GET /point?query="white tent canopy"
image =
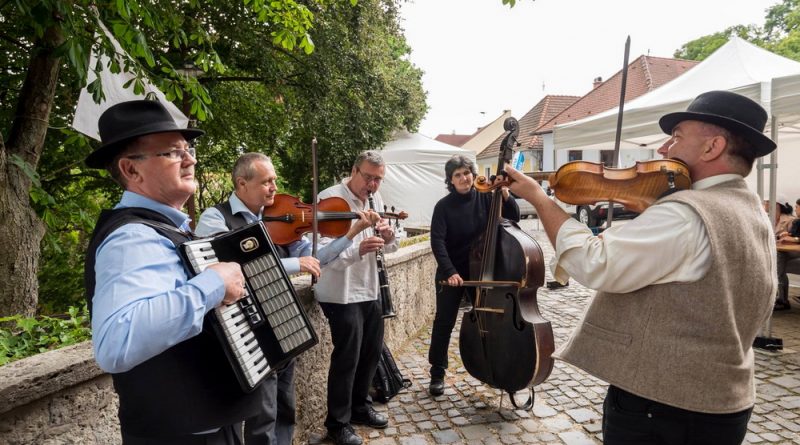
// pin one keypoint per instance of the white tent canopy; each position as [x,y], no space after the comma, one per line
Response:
[736,66]
[415,174]
[785,110]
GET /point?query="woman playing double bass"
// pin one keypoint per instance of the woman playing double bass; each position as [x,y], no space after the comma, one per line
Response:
[458,219]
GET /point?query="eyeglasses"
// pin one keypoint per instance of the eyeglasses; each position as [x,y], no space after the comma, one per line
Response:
[178,154]
[370,178]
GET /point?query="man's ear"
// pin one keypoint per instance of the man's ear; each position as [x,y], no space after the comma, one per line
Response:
[715,148]
[128,170]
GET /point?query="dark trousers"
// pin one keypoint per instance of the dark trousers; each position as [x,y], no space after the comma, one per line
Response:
[357,334]
[630,419]
[275,424]
[227,435]
[783,279]
[448,300]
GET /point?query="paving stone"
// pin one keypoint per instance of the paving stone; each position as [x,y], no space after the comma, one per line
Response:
[474,432]
[556,424]
[543,411]
[786,382]
[593,427]
[575,438]
[583,415]
[771,437]
[445,437]
[459,421]
[415,439]
[426,425]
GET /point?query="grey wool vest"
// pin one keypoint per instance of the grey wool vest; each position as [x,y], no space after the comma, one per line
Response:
[689,345]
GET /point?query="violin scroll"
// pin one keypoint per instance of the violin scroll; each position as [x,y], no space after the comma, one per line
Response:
[485,185]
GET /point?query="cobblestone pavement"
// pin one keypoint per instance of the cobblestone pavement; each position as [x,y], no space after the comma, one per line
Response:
[568,407]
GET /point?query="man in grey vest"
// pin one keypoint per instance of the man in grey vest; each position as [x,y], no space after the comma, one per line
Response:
[255,184]
[682,290]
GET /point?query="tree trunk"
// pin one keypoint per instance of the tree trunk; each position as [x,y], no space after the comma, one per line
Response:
[21,230]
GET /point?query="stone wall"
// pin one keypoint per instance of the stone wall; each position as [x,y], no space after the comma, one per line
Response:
[62,397]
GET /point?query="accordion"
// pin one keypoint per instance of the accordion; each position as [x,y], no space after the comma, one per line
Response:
[268,327]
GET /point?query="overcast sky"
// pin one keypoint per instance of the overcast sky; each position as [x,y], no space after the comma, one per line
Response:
[481,57]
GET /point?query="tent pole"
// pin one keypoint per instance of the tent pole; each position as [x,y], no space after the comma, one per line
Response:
[767,341]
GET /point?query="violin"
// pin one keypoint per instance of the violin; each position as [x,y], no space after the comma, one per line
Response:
[584,182]
[288,218]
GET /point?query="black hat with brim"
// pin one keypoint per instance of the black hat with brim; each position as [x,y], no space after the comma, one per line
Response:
[736,113]
[126,121]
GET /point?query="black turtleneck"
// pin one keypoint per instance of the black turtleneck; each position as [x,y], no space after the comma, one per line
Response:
[458,220]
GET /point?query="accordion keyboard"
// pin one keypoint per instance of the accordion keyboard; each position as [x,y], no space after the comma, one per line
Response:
[276,301]
[268,327]
[237,320]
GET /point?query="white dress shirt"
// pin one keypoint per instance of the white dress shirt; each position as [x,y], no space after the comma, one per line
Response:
[666,243]
[351,278]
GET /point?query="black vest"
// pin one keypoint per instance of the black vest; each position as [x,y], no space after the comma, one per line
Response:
[235,221]
[186,389]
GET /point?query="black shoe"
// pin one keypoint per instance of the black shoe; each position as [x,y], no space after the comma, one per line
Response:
[556,285]
[370,418]
[344,436]
[782,306]
[436,387]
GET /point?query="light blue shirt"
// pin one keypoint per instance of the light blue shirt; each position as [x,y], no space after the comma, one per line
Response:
[212,221]
[144,302]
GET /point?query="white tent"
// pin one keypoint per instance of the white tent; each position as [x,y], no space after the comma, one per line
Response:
[785,111]
[736,66]
[415,174]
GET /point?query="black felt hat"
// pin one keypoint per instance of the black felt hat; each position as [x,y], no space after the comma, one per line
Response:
[734,112]
[128,120]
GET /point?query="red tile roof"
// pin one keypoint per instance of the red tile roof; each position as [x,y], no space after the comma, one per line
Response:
[645,74]
[542,112]
[454,139]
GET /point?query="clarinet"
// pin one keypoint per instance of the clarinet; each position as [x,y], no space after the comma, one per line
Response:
[387,310]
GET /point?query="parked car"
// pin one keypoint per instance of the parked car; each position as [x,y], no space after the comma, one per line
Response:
[595,215]
[526,209]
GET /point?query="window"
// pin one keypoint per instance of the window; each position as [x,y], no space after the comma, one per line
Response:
[574,155]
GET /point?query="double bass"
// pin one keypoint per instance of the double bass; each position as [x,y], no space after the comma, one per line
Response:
[505,342]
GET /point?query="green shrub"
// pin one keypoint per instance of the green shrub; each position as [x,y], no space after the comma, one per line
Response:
[30,336]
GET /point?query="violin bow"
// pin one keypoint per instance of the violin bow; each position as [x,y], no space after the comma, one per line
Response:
[618,137]
[314,219]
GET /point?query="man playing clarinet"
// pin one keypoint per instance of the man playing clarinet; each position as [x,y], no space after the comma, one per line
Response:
[348,295]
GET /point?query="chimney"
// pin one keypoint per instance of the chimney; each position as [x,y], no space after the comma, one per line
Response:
[596,82]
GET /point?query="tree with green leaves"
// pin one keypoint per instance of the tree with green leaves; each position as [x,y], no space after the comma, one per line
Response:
[779,34]
[264,88]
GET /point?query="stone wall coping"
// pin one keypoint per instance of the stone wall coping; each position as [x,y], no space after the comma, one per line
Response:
[38,376]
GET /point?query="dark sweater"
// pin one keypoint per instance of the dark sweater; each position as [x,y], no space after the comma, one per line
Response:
[458,221]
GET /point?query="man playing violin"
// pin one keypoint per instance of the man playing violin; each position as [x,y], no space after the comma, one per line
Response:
[682,290]
[255,185]
[348,295]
